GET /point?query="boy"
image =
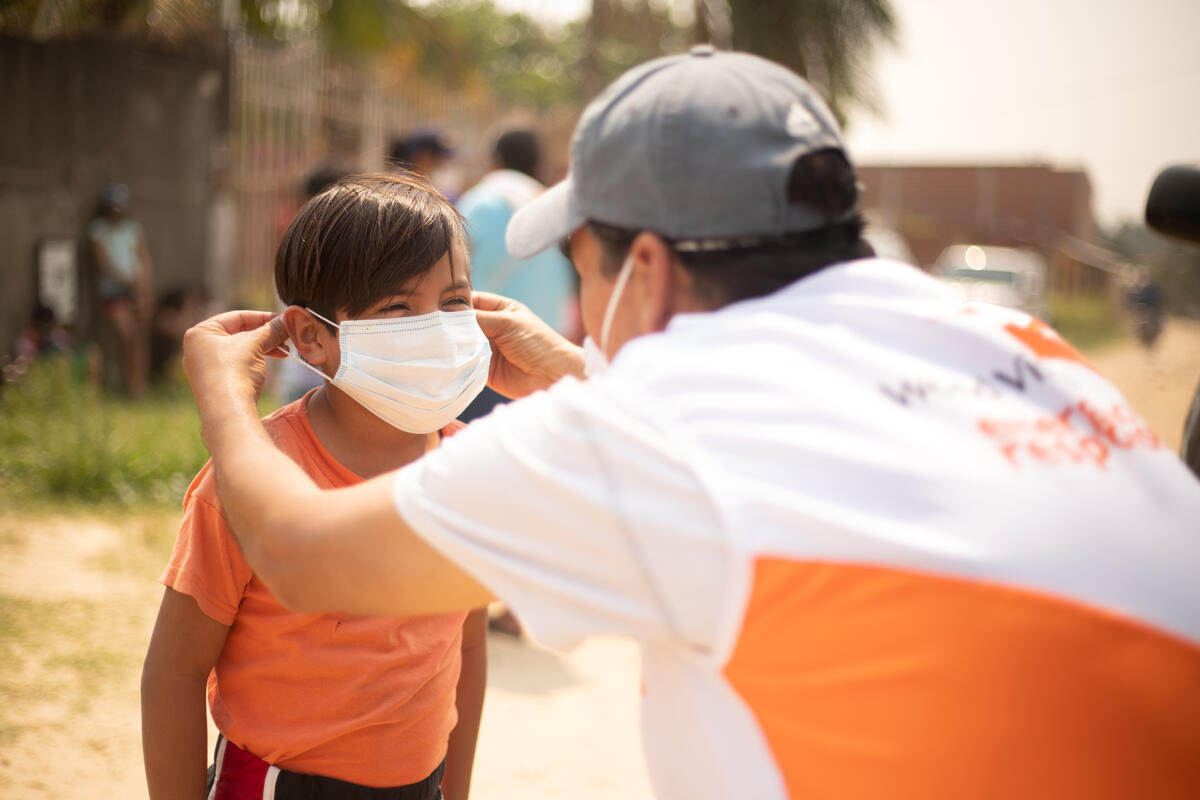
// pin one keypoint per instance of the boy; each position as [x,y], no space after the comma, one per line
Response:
[375,276]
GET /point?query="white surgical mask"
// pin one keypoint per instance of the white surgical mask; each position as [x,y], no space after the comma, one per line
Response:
[415,373]
[595,357]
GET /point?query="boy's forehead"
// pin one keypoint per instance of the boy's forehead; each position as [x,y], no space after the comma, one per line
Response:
[443,274]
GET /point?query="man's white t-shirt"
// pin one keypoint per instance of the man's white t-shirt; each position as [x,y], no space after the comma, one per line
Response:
[873,541]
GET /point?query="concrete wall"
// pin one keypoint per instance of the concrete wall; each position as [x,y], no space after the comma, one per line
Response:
[78,113]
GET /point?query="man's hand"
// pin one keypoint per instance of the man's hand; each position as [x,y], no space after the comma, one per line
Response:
[225,358]
[527,354]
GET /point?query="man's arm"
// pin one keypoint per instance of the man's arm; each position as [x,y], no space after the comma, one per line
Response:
[338,550]
[327,550]
[183,648]
[468,701]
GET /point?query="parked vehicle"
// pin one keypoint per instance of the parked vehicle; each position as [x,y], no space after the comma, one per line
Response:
[1006,276]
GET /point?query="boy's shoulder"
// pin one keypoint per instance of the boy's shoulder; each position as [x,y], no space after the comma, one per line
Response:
[285,426]
[286,422]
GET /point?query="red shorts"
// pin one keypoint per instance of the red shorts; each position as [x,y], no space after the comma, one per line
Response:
[240,775]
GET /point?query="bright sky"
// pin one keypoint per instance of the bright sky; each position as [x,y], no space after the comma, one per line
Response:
[1108,85]
[552,11]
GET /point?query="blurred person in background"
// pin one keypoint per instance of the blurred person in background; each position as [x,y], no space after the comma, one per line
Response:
[44,336]
[1146,307]
[544,282]
[125,281]
[428,153]
[175,312]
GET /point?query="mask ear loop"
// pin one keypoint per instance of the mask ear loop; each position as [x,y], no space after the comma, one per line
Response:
[614,301]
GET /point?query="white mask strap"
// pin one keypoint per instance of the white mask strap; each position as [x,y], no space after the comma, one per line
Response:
[294,352]
[611,310]
[318,316]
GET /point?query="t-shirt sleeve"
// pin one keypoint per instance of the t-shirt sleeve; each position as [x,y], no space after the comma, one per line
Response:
[206,563]
[578,514]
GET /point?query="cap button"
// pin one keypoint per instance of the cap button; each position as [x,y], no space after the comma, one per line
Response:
[703,50]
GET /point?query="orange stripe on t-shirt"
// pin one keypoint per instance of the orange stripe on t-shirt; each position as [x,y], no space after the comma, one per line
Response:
[869,682]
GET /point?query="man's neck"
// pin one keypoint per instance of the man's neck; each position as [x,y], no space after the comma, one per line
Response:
[359,440]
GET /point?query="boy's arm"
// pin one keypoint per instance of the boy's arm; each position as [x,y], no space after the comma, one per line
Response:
[472,682]
[183,648]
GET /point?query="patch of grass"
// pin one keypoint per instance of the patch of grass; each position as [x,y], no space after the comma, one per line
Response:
[65,445]
[1086,321]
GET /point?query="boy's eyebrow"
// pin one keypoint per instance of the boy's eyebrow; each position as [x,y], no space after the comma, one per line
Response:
[461,283]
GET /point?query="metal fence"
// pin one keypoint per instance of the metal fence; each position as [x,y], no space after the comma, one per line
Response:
[297,107]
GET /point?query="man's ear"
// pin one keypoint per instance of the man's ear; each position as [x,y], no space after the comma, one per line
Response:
[309,336]
[660,281]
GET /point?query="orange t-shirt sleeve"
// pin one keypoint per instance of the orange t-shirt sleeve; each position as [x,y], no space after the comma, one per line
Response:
[206,563]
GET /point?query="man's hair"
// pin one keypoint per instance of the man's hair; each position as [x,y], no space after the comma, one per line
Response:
[519,150]
[363,237]
[725,272]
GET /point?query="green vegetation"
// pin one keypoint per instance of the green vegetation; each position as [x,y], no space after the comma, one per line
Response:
[64,442]
[831,42]
[1087,320]
[473,43]
[66,445]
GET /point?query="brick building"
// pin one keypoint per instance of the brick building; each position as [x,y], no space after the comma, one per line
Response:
[1032,206]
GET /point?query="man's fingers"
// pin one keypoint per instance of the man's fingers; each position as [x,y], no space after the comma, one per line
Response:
[273,335]
[487,301]
[232,322]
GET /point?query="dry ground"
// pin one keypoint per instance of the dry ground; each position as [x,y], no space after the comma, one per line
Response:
[78,599]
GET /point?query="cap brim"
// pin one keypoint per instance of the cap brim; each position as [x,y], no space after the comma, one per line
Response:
[546,220]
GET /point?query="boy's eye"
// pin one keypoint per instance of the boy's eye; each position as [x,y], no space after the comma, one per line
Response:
[462,301]
[394,307]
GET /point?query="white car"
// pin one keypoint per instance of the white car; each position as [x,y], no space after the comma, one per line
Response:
[1006,276]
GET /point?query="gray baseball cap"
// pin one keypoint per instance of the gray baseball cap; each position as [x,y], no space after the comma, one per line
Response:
[696,147]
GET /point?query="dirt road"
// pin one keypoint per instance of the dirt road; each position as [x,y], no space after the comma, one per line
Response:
[78,599]
[77,603]
[1159,382]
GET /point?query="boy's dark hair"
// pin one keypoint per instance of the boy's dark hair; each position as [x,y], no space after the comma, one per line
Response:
[363,237]
[823,181]
[519,150]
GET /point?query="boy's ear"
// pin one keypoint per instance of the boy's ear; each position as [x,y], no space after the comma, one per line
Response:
[309,336]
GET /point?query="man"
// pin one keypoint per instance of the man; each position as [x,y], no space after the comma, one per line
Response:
[542,282]
[873,541]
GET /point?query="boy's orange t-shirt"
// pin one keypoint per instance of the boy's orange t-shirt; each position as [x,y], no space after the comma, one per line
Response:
[368,700]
